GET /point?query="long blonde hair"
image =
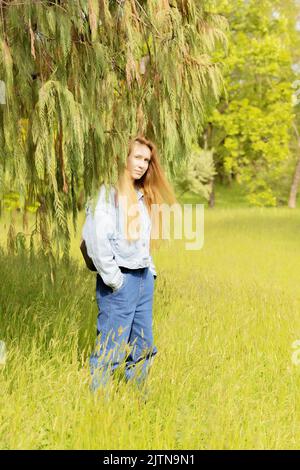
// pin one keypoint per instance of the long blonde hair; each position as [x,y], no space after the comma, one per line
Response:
[154,185]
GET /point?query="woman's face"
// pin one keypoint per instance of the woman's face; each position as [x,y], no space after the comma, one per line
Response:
[138,160]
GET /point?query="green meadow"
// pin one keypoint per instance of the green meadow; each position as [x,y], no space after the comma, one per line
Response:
[225,320]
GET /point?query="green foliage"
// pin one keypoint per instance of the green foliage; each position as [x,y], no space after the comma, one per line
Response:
[11,201]
[252,126]
[197,174]
[82,77]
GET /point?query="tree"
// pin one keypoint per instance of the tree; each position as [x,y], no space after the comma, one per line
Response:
[82,77]
[291,10]
[197,174]
[251,127]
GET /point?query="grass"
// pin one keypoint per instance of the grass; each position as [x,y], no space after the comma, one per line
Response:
[225,318]
[225,197]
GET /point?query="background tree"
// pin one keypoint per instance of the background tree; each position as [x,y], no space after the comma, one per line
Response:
[252,125]
[291,10]
[197,174]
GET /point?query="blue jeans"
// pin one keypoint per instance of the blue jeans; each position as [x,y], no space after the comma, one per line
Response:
[124,328]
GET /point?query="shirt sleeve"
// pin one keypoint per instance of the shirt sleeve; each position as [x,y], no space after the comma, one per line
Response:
[101,252]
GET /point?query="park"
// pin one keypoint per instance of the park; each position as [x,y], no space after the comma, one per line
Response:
[215,85]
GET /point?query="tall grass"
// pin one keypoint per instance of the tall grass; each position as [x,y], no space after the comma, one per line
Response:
[225,318]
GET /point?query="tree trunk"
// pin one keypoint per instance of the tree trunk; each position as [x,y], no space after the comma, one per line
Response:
[295,186]
[296,179]
[211,202]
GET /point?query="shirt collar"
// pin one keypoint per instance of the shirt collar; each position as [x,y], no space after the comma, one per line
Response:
[139,193]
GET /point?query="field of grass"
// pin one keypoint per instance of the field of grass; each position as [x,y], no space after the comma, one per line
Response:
[225,319]
[225,197]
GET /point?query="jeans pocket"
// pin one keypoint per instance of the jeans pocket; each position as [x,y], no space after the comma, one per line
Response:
[125,280]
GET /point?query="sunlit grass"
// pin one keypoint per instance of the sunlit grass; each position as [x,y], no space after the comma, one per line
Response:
[225,318]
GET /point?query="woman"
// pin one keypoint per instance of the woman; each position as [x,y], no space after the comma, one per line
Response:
[120,251]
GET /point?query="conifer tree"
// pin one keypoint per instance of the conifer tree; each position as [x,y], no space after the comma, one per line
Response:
[82,77]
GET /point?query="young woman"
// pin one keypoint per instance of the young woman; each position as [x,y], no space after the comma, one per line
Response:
[118,240]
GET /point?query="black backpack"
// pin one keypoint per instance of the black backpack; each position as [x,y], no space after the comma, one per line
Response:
[88,260]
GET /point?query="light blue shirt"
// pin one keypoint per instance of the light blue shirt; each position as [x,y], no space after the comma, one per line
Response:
[104,235]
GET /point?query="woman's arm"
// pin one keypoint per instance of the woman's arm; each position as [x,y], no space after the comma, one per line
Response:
[103,230]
